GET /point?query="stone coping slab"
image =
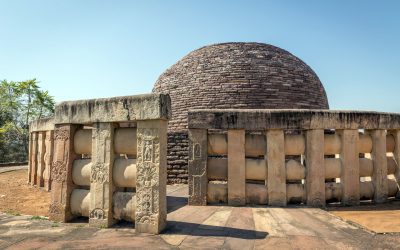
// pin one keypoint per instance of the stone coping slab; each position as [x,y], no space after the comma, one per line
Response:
[261,119]
[44,124]
[115,109]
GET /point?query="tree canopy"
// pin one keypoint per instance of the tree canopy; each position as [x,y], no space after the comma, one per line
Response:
[20,103]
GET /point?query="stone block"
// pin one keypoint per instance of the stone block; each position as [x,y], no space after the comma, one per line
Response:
[61,173]
[275,157]
[315,169]
[236,168]
[379,160]
[198,167]
[151,199]
[350,174]
[101,180]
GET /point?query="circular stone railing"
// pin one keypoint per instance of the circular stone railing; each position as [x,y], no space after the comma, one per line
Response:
[277,157]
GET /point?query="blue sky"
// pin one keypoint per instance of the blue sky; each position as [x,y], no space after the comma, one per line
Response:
[87,49]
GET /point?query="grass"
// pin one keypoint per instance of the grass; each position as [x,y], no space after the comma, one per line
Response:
[12,212]
[55,225]
[36,217]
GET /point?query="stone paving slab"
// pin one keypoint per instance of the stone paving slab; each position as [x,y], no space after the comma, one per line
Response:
[200,227]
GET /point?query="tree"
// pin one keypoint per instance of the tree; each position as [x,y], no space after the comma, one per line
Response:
[20,103]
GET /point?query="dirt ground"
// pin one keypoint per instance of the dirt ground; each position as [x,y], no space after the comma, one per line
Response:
[382,218]
[17,197]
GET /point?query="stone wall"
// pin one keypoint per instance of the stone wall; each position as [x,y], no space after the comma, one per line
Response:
[177,157]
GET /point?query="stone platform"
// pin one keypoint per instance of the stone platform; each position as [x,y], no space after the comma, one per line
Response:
[205,227]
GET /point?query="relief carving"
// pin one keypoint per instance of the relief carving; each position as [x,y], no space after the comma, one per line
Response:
[59,171]
[97,213]
[99,173]
[61,135]
[196,151]
[55,208]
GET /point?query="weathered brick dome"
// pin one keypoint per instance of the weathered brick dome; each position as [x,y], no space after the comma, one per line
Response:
[239,75]
[233,75]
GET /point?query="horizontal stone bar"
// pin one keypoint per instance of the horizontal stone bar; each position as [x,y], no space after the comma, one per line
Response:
[256,194]
[262,119]
[124,206]
[364,143]
[367,189]
[295,144]
[255,145]
[295,193]
[80,202]
[333,167]
[125,141]
[124,172]
[217,192]
[39,125]
[83,141]
[295,170]
[333,190]
[81,172]
[367,167]
[332,145]
[115,109]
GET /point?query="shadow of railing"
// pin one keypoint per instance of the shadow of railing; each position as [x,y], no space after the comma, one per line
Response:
[175,202]
[194,229]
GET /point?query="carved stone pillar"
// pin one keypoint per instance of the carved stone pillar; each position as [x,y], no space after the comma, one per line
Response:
[61,174]
[315,177]
[396,153]
[48,159]
[33,160]
[198,167]
[379,160]
[350,174]
[101,181]
[276,181]
[40,158]
[30,158]
[151,199]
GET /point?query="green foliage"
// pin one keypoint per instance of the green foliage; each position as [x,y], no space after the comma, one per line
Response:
[20,103]
[36,217]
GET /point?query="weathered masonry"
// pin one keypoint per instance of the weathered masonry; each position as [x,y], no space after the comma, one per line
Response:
[277,157]
[40,152]
[109,161]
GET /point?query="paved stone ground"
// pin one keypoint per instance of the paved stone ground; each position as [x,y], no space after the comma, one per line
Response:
[210,227]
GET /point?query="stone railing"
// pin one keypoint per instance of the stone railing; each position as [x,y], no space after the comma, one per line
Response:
[277,157]
[108,161]
[40,152]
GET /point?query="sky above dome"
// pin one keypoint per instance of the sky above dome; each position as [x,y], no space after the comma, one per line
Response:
[90,49]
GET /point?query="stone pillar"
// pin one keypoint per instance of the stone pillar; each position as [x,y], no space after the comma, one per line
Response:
[40,158]
[315,177]
[151,172]
[379,160]
[350,174]
[33,162]
[61,173]
[236,167]
[30,158]
[48,159]
[275,158]
[101,181]
[198,167]
[396,153]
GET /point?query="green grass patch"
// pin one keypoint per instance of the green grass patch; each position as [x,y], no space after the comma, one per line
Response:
[36,217]
[12,212]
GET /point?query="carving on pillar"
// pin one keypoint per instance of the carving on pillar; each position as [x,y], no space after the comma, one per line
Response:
[55,208]
[99,173]
[59,171]
[196,151]
[147,177]
[97,213]
[61,135]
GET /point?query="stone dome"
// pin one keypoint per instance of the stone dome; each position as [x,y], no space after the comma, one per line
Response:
[239,75]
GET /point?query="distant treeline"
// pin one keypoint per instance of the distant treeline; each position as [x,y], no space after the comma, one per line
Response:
[20,103]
